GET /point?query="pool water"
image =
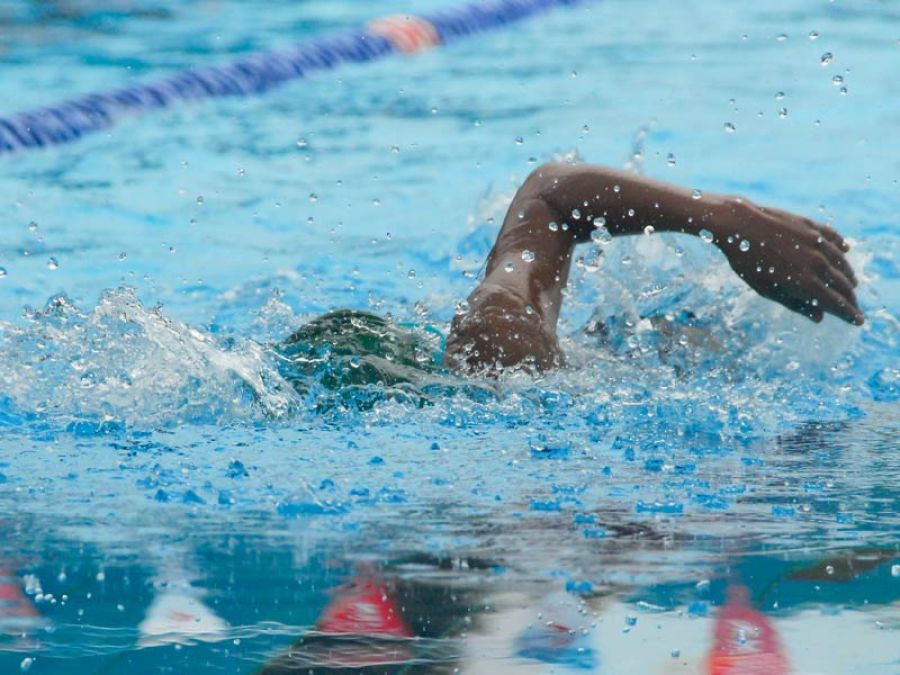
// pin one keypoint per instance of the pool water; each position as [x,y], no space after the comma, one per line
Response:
[722,493]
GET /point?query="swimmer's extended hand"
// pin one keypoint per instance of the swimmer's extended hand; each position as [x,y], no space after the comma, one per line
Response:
[787,258]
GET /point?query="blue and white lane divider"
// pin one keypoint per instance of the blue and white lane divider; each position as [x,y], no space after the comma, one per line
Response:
[70,120]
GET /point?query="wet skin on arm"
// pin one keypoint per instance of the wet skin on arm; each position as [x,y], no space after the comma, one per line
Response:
[512,314]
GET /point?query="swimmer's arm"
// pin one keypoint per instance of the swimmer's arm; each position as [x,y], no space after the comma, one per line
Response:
[791,259]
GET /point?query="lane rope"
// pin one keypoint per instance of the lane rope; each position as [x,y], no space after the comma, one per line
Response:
[69,120]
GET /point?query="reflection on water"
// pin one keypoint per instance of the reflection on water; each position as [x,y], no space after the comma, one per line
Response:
[772,554]
[277,603]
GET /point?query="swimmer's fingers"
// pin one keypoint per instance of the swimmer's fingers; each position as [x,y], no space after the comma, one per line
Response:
[837,281]
[834,255]
[834,271]
[831,235]
[825,289]
[834,279]
[828,234]
[820,237]
[842,305]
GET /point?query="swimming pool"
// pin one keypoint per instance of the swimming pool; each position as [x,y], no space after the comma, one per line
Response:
[167,502]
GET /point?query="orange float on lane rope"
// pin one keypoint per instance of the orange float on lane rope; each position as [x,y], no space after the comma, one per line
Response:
[408,34]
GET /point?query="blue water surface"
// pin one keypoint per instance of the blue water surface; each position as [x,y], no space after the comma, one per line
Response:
[169,501]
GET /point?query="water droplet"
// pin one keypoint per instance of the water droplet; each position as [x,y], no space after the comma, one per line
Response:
[519,140]
[593,260]
[313,197]
[553,227]
[576,214]
[706,236]
[895,571]
[744,245]
[826,58]
[696,194]
[528,256]
[779,95]
[574,74]
[813,35]
[730,128]
[53,264]
[675,653]
[837,80]
[626,260]
[376,202]
[411,274]
[302,143]
[781,37]
[630,620]
[616,188]
[32,226]
[829,570]
[771,270]
[782,113]
[585,129]
[240,172]
[200,200]
[601,236]
[631,213]
[26,663]
[3,272]
[670,159]
[122,256]
[395,149]
[649,230]
[814,302]
[843,91]
[508,267]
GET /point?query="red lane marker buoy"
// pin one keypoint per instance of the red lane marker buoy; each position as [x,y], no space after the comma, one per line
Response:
[408,34]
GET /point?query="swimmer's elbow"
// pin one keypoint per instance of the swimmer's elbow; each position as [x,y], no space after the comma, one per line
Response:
[543,179]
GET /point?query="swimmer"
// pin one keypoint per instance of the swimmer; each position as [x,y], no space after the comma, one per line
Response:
[512,313]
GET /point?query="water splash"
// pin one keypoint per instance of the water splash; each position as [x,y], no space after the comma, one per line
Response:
[123,363]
